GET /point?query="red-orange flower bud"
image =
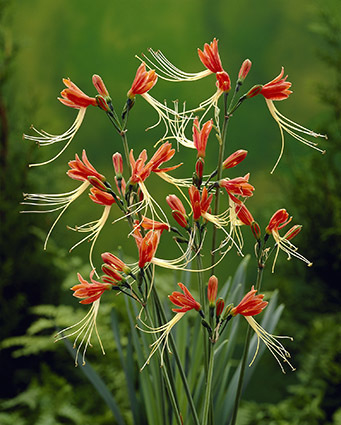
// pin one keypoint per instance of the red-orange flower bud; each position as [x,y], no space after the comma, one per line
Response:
[234,159]
[244,70]
[244,214]
[254,91]
[99,85]
[102,103]
[115,262]
[199,167]
[118,164]
[174,202]
[219,307]
[212,290]
[294,231]
[100,197]
[255,229]
[194,196]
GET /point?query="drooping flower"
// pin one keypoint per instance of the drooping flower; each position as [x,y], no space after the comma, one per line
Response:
[149,224]
[200,136]
[73,97]
[186,302]
[89,292]
[250,306]
[278,89]
[279,220]
[238,186]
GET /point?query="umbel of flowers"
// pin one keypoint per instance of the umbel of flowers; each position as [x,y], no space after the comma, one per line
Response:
[206,217]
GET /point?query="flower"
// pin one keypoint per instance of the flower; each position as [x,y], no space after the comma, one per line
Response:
[100,86]
[89,292]
[73,97]
[223,81]
[200,136]
[178,210]
[278,89]
[115,262]
[148,224]
[143,81]
[146,245]
[234,159]
[279,220]
[210,57]
[186,302]
[141,170]
[81,169]
[237,186]
[199,205]
[244,214]
[100,197]
[250,306]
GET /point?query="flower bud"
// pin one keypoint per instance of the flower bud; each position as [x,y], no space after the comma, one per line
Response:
[234,159]
[115,262]
[102,103]
[111,272]
[212,290]
[255,229]
[227,311]
[244,70]
[244,214]
[199,168]
[254,91]
[174,202]
[220,304]
[96,182]
[118,164]
[180,218]
[294,231]
[100,86]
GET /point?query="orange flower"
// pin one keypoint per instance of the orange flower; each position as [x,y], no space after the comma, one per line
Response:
[185,301]
[244,214]
[278,220]
[141,170]
[115,262]
[74,97]
[277,89]
[82,169]
[250,305]
[178,210]
[143,82]
[89,292]
[210,57]
[237,186]
[200,137]
[223,81]
[100,197]
[199,206]
[147,245]
[150,224]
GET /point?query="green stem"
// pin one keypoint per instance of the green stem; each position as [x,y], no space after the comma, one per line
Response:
[208,396]
[246,351]
[178,361]
[219,174]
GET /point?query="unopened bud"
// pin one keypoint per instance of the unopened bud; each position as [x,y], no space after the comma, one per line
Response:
[180,218]
[220,304]
[96,182]
[118,164]
[294,231]
[199,168]
[102,103]
[244,214]
[244,70]
[254,91]
[100,86]
[212,290]
[255,229]
[234,159]
[110,271]
[227,311]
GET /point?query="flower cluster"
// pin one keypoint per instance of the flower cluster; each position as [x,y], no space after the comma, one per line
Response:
[208,213]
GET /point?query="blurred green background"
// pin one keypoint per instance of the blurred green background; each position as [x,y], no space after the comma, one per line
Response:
[42,42]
